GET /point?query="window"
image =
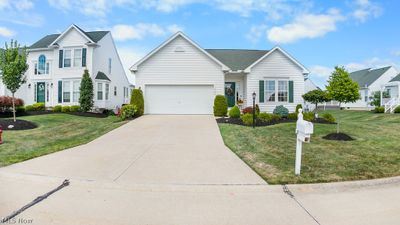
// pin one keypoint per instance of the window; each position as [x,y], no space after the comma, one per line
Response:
[42,65]
[75,90]
[36,72]
[270,90]
[99,91]
[282,91]
[67,58]
[78,57]
[115,90]
[109,65]
[107,90]
[66,91]
[366,95]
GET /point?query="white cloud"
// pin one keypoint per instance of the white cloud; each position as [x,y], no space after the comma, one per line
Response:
[366,9]
[20,12]
[5,32]
[305,26]
[23,5]
[321,71]
[396,53]
[123,32]
[4,4]
[256,33]
[129,56]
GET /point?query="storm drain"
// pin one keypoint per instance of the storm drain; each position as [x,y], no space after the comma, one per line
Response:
[34,202]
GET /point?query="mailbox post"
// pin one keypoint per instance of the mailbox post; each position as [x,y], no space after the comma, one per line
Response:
[304,129]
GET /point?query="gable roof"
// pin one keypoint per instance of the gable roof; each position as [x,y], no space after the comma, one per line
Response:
[366,77]
[101,76]
[178,34]
[237,59]
[396,78]
[48,40]
[277,48]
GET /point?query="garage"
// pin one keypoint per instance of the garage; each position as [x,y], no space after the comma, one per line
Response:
[179,99]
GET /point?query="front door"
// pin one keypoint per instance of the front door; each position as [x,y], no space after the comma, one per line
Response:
[230,93]
[41,92]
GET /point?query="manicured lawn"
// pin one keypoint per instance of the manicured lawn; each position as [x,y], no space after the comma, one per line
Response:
[270,151]
[55,132]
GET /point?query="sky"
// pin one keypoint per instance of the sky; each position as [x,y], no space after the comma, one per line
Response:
[355,34]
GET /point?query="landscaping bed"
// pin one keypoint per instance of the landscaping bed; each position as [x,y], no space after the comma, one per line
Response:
[9,124]
[262,123]
[338,137]
[89,114]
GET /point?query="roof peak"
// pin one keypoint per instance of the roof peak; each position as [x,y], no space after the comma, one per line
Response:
[235,49]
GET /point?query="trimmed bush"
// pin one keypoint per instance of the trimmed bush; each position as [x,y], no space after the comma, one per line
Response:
[75,108]
[220,105]
[298,106]
[257,109]
[6,103]
[57,108]
[379,109]
[247,119]
[28,108]
[397,109]
[281,111]
[234,112]
[329,117]
[292,116]
[128,111]
[39,106]
[268,117]
[247,110]
[20,109]
[65,109]
[309,116]
[138,101]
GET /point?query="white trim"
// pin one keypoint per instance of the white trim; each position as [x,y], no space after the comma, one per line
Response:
[305,70]
[178,34]
[66,31]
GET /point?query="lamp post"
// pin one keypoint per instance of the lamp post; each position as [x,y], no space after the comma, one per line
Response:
[254,109]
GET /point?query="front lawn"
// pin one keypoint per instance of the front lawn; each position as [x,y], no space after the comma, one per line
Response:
[55,132]
[270,151]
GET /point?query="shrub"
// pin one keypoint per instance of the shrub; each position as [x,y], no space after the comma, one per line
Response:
[75,108]
[6,103]
[292,116]
[268,117]
[247,110]
[247,119]
[39,106]
[309,116]
[138,101]
[86,92]
[397,109]
[28,108]
[379,109]
[57,108]
[220,106]
[328,117]
[20,109]
[128,111]
[281,111]
[65,109]
[298,106]
[257,109]
[234,112]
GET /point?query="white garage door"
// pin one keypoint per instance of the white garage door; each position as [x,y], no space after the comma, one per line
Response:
[179,99]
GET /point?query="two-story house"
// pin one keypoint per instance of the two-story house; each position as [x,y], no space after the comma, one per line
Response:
[57,63]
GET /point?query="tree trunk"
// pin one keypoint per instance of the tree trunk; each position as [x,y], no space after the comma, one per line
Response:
[13,106]
[316,107]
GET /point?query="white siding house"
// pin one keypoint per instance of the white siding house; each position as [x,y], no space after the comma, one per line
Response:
[57,63]
[180,77]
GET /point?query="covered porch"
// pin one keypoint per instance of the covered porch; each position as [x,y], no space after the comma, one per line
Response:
[235,89]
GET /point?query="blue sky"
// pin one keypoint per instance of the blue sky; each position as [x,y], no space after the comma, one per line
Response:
[320,34]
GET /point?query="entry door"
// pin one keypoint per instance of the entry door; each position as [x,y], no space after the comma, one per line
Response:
[41,92]
[230,93]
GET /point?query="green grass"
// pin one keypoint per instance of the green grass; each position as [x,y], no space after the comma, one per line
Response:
[270,151]
[55,132]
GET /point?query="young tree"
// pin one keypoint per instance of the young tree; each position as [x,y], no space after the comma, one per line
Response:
[13,67]
[86,92]
[376,98]
[341,87]
[316,96]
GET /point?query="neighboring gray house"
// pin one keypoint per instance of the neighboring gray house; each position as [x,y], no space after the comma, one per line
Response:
[180,77]
[370,81]
[393,89]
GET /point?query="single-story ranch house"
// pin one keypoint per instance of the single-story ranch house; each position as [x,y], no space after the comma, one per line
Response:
[180,77]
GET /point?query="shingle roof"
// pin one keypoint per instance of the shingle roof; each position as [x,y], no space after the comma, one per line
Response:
[101,76]
[396,78]
[366,77]
[95,36]
[237,59]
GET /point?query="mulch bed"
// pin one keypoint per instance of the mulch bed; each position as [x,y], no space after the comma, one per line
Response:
[89,114]
[18,125]
[35,113]
[338,137]
[260,123]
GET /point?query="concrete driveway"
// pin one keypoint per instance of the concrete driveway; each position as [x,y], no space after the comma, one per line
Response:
[176,170]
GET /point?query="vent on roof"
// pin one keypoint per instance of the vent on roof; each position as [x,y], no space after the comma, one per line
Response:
[179,49]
